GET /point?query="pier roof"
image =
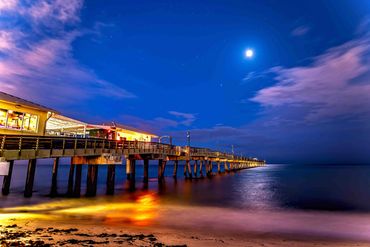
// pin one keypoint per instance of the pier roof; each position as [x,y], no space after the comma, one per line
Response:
[19,101]
[59,121]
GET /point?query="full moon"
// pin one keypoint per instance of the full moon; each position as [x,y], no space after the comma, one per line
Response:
[249,53]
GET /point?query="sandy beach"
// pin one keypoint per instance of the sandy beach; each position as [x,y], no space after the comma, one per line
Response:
[146,222]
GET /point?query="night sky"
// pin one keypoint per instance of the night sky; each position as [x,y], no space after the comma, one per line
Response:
[172,66]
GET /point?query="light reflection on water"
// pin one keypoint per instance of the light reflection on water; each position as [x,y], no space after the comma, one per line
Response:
[141,211]
[267,199]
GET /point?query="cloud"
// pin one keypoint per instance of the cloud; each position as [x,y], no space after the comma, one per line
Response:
[8,4]
[47,12]
[325,88]
[254,76]
[300,31]
[160,124]
[188,118]
[38,63]
[6,41]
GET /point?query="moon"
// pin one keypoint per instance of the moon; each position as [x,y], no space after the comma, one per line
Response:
[249,53]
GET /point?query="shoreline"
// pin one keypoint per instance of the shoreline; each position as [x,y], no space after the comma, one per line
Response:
[148,223]
[68,234]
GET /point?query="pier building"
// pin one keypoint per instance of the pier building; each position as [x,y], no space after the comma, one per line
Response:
[22,117]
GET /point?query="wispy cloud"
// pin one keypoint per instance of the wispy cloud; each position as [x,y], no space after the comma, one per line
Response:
[185,118]
[8,4]
[160,124]
[58,10]
[37,62]
[336,84]
[300,31]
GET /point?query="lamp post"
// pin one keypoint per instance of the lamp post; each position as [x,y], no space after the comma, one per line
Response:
[188,138]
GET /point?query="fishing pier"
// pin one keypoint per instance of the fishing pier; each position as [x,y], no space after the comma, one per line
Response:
[199,162]
[31,132]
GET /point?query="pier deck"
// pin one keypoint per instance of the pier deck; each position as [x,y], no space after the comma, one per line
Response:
[94,152]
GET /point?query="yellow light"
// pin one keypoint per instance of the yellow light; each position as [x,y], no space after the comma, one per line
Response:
[141,212]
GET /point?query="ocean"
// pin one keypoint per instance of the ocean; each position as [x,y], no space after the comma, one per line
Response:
[273,187]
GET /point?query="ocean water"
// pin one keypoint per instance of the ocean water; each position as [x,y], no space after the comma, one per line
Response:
[273,187]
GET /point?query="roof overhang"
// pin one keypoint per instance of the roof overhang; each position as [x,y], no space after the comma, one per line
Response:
[57,122]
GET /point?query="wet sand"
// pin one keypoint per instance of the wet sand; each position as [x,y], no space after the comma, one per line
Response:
[147,222]
[36,234]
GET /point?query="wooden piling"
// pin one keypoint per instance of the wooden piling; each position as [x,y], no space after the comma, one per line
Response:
[164,162]
[185,170]
[128,168]
[201,169]
[218,167]
[54,178]
[92,179]
[159,169]
[77,184]
[71,179]
[175,168]
[133,169]
[7,179]
[208,168]
[195,168]
[146,170]
[111,175]
[226,168]
[132,182]
[188,167]
[30,178]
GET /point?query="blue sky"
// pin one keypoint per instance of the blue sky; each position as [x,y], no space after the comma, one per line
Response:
[173,66]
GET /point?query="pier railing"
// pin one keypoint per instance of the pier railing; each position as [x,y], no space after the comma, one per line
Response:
[25,147]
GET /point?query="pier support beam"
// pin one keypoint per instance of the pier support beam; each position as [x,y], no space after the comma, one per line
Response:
[30,178]
[70,180]
[201,169]
[159,176]
[132,174]
[195,168]
[146,170]
[218,167]
[209,168]
[175,168]
[188,169]
[54,178]
[130,168]
[163,169]
[92,179]
[185,170]
[77,184]
[6,181]
[111,177]
[226,168]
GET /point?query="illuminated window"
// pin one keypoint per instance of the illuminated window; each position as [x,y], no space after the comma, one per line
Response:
[26,121]
[30,122]
[3,114]
[33,123]
[15,120]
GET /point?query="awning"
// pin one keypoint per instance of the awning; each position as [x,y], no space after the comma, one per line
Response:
[57,122]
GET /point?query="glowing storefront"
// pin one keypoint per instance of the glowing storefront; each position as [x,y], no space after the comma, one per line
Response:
[64,126]
[124,132]
[19,116]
